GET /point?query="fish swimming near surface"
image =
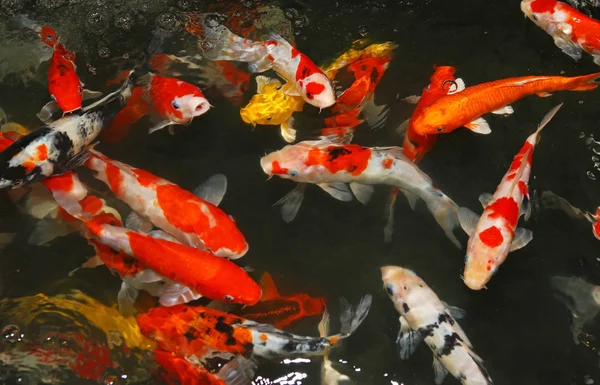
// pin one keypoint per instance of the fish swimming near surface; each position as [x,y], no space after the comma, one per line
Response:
[549,200]
[333,167]
[275,53]
[573,32]
[186,216]
[465,108]
[423,316]
[168,102]
[61,145]
[493,235]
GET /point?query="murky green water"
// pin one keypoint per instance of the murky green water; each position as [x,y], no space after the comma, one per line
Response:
[333,248]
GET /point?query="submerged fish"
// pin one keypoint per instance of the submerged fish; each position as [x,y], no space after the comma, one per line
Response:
[573,32]
[493,235]
[332,167]
[549,200]
[465,108]
[424,317]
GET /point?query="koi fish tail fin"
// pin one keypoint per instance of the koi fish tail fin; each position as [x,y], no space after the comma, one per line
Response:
[585,83]
[390,206]
[582,299]
[445,212]
[46,230]
[221,44]
[351,317]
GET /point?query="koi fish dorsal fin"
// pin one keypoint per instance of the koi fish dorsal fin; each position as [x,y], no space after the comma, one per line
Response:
[278,39]
[269,290]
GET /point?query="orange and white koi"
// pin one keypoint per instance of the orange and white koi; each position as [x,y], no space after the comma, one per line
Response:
[493,235]
[465,108]
[194,331]
[332,167]
[169,101]
[573,32]
[423,316]
[191,220]
[275,53]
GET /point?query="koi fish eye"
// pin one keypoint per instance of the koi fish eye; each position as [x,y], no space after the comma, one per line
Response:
[535,17]
[228,298]
[389,289]
[293,173]
[80,89]
[175,105]
[269,117]
[440,129]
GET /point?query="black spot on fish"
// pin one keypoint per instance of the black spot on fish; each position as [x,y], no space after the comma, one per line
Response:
[222,327]
[461,377]
[337,152]
[427,331]
[444,317]
[290,346]
[189,335]
[405,308]
[374,75]
[230,341]
[451,341]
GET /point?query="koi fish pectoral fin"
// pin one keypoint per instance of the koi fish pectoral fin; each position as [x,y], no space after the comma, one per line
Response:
[362,192]
[261,65]
[159,126]
[468,220]
[46,113]
[485,199]
[506,110]
[526,208]
[479,126]
[596,59]
[408,340]
[176,293]
[239,371]
[568,46]
[439,371]
[388,230]
[213,189]
[126,298]
[455,311]
[287,130]
[339,191]
[73,163]
[521,239]
[91,263]
[411,197]
[291,202]
[87,94]
[47,230]
[136,222]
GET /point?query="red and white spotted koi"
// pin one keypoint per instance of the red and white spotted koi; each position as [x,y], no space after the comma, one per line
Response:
[493,235]
[193,221]
[276,53]
[332,166]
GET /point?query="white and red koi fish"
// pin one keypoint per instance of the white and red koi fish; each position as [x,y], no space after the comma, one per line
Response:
[193,221]
[493,235]
[573,32]
[276,53]
[61,145]
[332,166]
[424,317]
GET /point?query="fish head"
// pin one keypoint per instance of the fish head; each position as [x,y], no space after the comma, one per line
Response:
[430,121]
[481,262]
[178,101]
[398,282]
[48,36]
[271,107]
[290,162]
[233,285]
[316,90]
[542,13]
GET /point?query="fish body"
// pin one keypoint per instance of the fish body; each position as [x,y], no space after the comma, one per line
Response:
[465,108]
[192,331]
[193,221]
[573,32]
[331,166]
[275,53]
[59,146]
[424,317]
[495,233]
[64,85]
[169,101]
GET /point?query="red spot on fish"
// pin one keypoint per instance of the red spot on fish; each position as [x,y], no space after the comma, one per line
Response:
[91,204]
[506,208]
[62,182]
[491,237]
[114,178]
[351,158]
[29,165]
[511,176]
[523,188]
[270,57]
[145,178]
[387,163]
[313,89]
[295,52]
[542,6]
[277,169]
[42,152]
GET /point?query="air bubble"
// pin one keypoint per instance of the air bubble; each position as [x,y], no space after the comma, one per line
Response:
[103,52]
[212,21]
[96,22]
[247,3]
[363,30]
[123,22]
[591,175]
[12,334]
[168,21]
[184,4]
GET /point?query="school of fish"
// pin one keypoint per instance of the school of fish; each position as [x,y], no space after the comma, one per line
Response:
[201,315]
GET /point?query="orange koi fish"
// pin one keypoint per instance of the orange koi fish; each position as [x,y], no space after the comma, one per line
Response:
[281,311]
[465,108]
[493,235]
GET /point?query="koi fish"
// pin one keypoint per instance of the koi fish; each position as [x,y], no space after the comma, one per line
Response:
[581,297]
[273,106]
[332,166]
[169,101]
[179,371]
[194,331]
[282,311]
[493,235]
[64,86]
[465,108]
[424,317]
[191,220]
[61,145]
[573,32]
[329,375]
[549,200]
[276,53]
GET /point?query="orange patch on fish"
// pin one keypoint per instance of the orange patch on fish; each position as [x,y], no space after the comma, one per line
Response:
[42,152]
[523,188]
[350,158]
[62,182]
[114,178]
[387,163]
[491,237]
[277,169]
[506,208]
[29,165]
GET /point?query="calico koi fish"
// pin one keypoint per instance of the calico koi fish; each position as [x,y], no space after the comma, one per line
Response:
[493,235]
[573,32]
[276,53]
[424,317]
[191,220]
[332,166]
[282,311]
[465,108]
[61,145]
[193,331]
[168,101]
